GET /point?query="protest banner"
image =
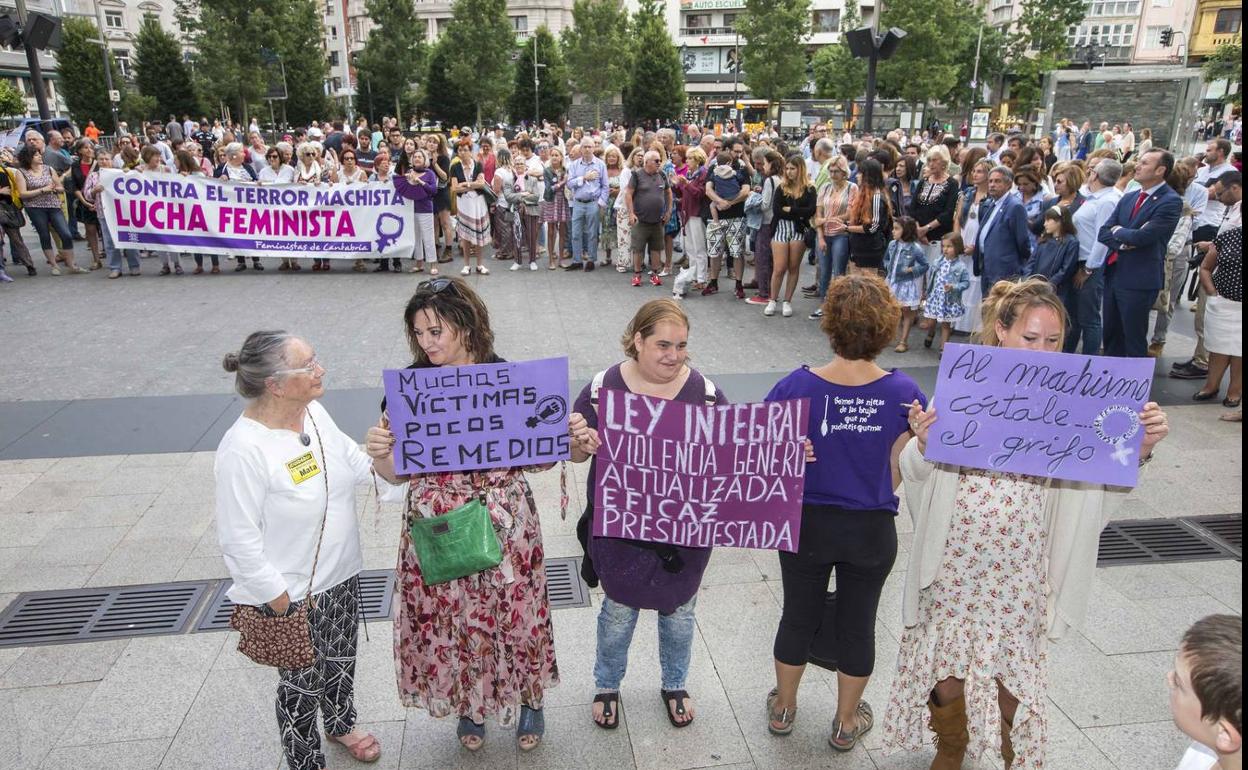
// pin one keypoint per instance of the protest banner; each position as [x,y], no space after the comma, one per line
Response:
[1059,415]
[695,475]
[195,214]
[459,418]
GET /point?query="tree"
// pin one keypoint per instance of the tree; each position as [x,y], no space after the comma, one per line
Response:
[393,57]
[160,72]
[925,65]
[232,36]
[654,88]
[11,100]
[480,40]
[773,60]
[81,66]
[553,94]
[136,108]
[440,96]
[1038,44]
[1227,63]
[992,53]
[298,44]
[597,26]
[838,75]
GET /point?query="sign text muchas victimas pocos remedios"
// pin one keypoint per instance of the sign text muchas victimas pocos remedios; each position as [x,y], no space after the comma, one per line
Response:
[693,475]
[262,211]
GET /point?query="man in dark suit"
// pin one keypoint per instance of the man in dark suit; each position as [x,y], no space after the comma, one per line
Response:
[1002,245]
[1136,235]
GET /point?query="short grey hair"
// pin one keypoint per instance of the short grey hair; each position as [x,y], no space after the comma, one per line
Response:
[233,148]
[262,356]
[1004,171]
[826,146]
[1108,172]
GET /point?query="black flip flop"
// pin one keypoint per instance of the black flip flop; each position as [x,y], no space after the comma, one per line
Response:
[678,697]
[610,710]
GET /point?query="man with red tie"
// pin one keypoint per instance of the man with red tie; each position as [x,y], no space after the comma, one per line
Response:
[1136,235]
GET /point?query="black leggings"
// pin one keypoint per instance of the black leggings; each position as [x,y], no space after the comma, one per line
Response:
[861,546]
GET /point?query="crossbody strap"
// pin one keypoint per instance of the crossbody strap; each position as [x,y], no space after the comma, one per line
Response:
[325,476]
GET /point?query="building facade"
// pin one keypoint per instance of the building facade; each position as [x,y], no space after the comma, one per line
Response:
[14,69]
[121,20]
[1217,23]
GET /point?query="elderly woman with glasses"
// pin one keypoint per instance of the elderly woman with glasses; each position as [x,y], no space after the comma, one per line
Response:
[286,477]
[276,171]
[482,644]
[232,167]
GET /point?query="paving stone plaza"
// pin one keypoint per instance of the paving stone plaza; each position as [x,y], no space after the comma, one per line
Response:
[112,399]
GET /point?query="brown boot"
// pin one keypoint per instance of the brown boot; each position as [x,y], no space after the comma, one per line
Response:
[1007,745]
[949,724]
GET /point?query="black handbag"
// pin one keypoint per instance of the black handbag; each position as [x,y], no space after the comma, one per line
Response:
[10,215]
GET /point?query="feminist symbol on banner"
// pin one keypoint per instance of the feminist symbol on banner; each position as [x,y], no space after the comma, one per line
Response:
[388,235]
[1104,423]
[550,410]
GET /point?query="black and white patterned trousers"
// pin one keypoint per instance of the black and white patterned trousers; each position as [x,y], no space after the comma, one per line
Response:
[327,686]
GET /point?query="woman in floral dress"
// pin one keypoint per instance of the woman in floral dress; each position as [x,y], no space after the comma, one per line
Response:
[483,644]
[1001,564]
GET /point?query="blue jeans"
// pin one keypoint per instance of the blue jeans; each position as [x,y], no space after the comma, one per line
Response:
[585,225]
[46,220]
[115,254]
[833,260]
[1084,308]
[615,633]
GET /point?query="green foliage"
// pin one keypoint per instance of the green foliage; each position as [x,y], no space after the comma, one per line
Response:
[926,64]
[773,60]
[230,36]
[480,40]
[1037,44]
[298,44]
[160,73]
[597,26]
[1227,63]
[655,86]
[392,59]
[81,66]
[136,108]
[838,75]
[440,97]
[991,64]
[554,95]
[11,100]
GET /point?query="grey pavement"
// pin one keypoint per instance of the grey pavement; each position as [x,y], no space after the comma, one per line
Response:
[131,368]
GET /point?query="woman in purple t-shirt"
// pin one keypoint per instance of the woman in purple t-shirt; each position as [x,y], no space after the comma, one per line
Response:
[858,423]
[636,575]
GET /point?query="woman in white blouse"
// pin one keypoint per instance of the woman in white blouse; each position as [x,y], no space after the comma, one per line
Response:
[282,469]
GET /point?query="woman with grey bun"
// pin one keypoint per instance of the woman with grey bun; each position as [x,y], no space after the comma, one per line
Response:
[285,506]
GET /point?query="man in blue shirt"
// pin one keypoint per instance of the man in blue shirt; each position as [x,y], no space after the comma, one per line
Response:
[587,179]
[1086,293]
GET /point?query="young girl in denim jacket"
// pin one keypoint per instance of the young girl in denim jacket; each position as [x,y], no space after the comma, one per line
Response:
[904,264]
[946,282]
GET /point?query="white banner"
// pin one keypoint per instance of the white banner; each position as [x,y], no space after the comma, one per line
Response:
[198,215]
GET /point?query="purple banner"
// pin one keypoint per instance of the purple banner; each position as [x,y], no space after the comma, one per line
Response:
[458,418]
[1059,415]
[694,475]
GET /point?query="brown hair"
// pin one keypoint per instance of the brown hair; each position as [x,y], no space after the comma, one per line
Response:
[1029,175]
[1010,300]
[969,159]
[1071,175]
[459,306]
[860,316]
[1214,649]
[647,318]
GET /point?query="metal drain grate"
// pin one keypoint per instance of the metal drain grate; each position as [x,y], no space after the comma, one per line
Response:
[376,591]
[1228,529]
[58,617]
[1156,541]
[564,587]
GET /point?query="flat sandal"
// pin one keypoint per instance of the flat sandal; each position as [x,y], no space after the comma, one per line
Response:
[785,716]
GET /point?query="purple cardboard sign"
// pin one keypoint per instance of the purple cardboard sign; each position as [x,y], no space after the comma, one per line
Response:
[459,418]
[1059,415]
[694,475]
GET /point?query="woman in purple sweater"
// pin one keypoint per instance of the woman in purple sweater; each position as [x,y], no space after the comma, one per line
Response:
[414,180]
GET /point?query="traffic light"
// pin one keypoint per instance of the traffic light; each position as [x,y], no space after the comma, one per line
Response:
[1167,37]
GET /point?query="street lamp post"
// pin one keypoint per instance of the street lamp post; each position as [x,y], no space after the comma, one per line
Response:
[736,68]
[108,70]
[537,112]
[970,110]
[32,60]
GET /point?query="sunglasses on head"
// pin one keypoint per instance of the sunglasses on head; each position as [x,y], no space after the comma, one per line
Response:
[434,286]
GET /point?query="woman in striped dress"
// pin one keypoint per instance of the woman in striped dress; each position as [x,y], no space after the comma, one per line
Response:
[472,218]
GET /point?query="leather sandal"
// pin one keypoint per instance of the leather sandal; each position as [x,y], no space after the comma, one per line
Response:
[468,729]
[365,748]
[678,698]
[842,740]
[785,716]
[532,724]
[610,710]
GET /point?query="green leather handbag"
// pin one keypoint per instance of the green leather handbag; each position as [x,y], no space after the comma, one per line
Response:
[456,544]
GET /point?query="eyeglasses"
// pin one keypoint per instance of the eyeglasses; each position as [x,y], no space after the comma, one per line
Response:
[309,368]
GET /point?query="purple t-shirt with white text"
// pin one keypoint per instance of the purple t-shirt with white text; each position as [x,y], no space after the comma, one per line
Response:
[853,429]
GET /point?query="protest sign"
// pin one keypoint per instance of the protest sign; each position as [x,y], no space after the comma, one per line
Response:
[1060,415]
[458,418]
[695,475]
[195,214]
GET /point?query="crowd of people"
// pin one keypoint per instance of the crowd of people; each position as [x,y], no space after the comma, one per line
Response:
[940,220]
[1000,566]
